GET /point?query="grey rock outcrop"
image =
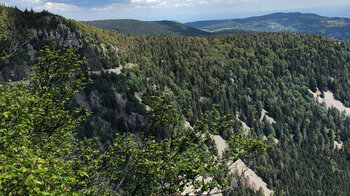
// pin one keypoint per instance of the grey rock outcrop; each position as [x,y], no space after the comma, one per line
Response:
[92,60]
[135,121]
[31,52]
[16,73]
[62,34]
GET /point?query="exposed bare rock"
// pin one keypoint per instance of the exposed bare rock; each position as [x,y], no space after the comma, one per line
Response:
[104,50]
[81,101]
[246,128]
[117,70]
[248,178]
[46,36]
[242,172]
[203,99]
[315,94]
[187,125]
[17,82]
[109,50]
[121,101]
[268,118]
[95,72]
[62,34]
[330,101]
[136,120]
[154,87]
[238,170]
[16,73]
[220,144]
[31,52]
[104,125]
[114,49]
[47,20]
[92,59]
[94,99]
[139,98]
[129,65]
[2,81]
[70,38]
[338,145]
[190,189]
[59,33]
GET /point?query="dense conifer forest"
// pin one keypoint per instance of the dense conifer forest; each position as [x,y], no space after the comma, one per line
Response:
[243,74]
[246,73]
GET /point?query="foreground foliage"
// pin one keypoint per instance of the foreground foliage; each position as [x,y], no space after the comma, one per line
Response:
[36,141]
[180,160]
[245,74]
[40,155]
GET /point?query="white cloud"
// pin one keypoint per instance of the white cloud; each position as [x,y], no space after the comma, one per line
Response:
[29,1]
[235,1]
[137,7]
[52,6]
[149,3]
[162,4]
[106,8]
[145,1]
[24,3]
[182,4]
[185,10]
[44,5]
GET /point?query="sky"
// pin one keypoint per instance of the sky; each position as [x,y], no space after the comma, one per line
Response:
[179,10]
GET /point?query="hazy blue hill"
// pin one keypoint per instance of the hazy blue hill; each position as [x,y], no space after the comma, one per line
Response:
[334,27]
[147,28]
[229,31]
[204,23]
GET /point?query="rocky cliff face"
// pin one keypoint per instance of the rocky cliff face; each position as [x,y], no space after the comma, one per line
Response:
[61,34]
[27,47]
[241,174]
[54,29]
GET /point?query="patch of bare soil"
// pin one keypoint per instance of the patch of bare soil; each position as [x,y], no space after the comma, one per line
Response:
[338,145]
[268,118]
[329,101]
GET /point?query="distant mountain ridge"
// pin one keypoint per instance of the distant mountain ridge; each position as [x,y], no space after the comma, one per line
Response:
[295,22]
[334,27]
[134,27]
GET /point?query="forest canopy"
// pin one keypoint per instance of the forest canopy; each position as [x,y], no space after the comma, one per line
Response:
[265,80]
[40,155]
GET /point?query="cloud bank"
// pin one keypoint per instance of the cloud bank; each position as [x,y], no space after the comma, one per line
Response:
[166,9]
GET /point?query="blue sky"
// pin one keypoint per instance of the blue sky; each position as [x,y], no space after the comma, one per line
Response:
[180,10]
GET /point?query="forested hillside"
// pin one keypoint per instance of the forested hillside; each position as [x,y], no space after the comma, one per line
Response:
[245,74]
[334,27]
[250,72]
[135,27]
